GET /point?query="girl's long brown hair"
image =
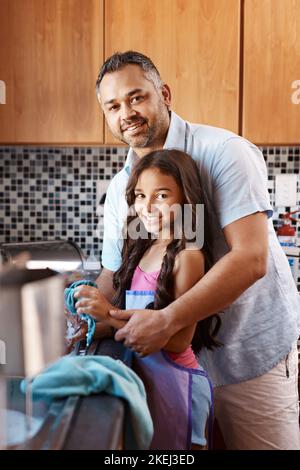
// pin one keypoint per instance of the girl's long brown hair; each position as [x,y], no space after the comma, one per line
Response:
[185,172]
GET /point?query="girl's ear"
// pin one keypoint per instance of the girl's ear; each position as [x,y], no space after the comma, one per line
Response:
[166,94]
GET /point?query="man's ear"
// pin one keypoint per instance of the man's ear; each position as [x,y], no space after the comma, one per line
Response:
[98,97]
[166,94]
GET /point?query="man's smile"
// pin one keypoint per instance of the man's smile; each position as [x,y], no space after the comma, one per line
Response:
[134,127]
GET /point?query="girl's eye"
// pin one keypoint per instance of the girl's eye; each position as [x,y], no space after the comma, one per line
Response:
[162,196]
[139,196]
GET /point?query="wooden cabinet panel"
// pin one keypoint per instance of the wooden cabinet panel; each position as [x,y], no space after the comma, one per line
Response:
[50,52]
[194,44]
[271,66]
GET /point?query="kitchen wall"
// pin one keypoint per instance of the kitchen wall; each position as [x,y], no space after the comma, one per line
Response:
[50,193]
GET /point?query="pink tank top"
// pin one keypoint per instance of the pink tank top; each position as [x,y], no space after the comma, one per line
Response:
[147,281]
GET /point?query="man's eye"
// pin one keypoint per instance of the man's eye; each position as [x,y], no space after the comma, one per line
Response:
[113,108]
[136,99]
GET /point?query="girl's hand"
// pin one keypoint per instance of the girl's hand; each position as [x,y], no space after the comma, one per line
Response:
[93,302]
[102,331]
[79,335]
[76,329]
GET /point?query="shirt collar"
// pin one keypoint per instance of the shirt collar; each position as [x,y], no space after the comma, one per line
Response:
[176,138]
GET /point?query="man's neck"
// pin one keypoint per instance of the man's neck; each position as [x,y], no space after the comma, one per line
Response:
[141,152]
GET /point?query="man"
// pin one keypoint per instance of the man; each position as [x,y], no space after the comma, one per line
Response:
[255,371]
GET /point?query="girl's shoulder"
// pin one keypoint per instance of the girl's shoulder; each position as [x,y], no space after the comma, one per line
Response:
[189,268]
[189,259]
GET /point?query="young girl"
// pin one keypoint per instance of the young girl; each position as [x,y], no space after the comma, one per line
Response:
[158,265]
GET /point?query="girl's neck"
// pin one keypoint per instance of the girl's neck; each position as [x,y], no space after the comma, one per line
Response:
[162,242]
[164,238]
[152,259]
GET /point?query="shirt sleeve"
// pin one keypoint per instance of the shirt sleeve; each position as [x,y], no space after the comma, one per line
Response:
[239,182]
[112,236]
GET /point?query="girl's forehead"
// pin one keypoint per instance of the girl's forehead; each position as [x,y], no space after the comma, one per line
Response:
[152,175]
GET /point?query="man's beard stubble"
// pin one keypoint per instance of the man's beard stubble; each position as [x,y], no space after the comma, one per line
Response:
[140,141]
[152,133]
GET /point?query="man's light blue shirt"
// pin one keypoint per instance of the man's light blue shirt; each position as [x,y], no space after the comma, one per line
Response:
[258,329]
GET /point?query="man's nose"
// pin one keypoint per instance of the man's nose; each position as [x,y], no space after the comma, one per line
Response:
[127,112]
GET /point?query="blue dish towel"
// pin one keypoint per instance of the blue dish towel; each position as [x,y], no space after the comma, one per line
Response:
[70,304]
[85,375]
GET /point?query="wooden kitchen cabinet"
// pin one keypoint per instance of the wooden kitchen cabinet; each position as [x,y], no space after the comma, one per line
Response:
[271,67]
[194,44]
[50,52]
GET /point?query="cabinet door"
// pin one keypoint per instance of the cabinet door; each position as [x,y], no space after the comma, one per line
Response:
[50,52]
[271,113]
[195,46]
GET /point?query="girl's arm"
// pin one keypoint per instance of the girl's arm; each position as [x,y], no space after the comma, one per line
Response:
[188,270]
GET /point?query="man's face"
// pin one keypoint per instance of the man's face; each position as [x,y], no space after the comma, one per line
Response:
[135,110]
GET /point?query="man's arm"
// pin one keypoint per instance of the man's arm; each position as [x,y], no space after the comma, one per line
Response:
[105,283]
[246,262]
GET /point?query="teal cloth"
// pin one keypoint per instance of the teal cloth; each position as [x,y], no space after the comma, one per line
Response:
[85,375]
[70,304]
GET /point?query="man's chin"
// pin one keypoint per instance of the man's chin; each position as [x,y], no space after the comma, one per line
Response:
[140,140]
[136,142]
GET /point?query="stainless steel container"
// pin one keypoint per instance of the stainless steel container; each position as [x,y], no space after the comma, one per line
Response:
[32,322]
[58,255]
[32,331]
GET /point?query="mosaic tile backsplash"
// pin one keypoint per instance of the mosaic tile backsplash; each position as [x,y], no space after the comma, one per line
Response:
[51,193]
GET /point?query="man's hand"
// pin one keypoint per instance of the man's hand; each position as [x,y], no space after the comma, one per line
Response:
[145,332]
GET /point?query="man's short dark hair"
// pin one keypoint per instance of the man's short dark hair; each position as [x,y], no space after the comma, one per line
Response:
[120,59]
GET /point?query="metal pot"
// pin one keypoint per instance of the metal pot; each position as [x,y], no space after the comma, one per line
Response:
[32,323]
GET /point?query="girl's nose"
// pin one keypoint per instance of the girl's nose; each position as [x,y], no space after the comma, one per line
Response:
[147,205]
[150,206]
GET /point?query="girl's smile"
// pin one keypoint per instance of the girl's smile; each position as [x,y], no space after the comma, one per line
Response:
[155,195]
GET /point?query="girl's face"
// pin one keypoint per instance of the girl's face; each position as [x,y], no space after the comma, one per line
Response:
[155,194]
